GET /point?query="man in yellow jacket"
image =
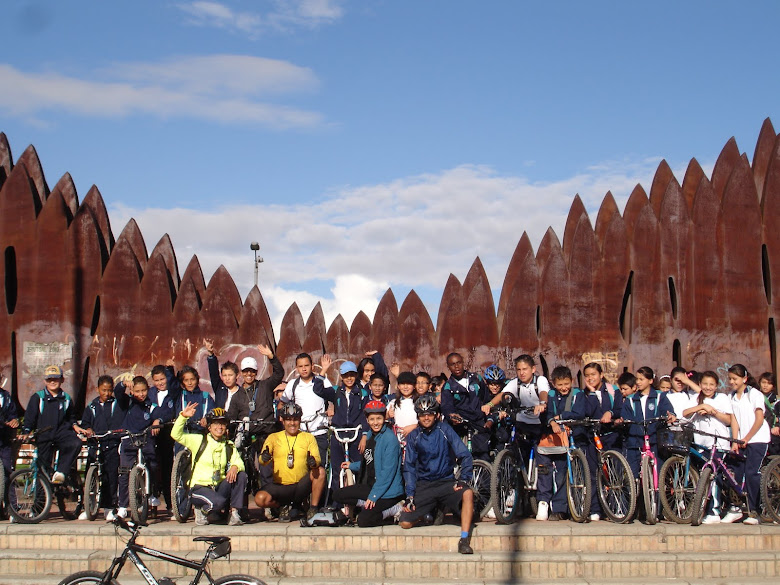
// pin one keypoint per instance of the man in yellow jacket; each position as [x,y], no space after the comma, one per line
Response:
[218,475]
[296,467]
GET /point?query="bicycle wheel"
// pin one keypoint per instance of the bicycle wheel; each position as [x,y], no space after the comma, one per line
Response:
[770,489]
[84,577]
[70,496]
[649,493]
[677,488]
[29,496]
[578,486]
[617,488]
[702,496]
[505,487]
[480,483]
[237,580]
[180,486]
[139,502]
[92,492]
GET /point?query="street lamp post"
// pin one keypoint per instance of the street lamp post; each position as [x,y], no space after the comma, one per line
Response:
[254,246]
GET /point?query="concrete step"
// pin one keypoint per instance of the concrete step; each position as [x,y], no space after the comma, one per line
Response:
[528,551]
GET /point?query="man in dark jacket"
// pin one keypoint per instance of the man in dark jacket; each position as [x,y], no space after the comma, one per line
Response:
[431,451]
[462,397]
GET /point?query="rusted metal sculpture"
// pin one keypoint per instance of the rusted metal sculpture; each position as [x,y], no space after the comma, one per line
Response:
[687,274]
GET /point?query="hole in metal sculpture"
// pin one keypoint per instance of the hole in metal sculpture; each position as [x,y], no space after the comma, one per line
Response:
[625,309]
[673,297]
[765,271]
[95,317]
[11,282]
[677,352]
[773,345]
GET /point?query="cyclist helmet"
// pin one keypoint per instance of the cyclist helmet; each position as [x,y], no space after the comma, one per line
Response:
[217,415]
[495,375]
[426,404]
[290,410]
[375,407]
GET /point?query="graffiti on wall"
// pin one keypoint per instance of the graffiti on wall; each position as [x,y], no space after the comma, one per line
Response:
[609,362]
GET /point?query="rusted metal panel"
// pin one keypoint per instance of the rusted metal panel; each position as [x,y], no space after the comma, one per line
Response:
[315,333]
[728,159]
[449,325]
[676,256]
[415,335]
[360,335]
[555,301]
[30,161]
[67,190]
[634,206]
[663,176]
[164,249]
[6,158]
[693,176]
[770,213]
[255,326]
[97,207]
[384,332]
[188,337]
[337,339]
[221,309]
[480,330]
[581,255]
[517,305]
[765,146]
[291,336]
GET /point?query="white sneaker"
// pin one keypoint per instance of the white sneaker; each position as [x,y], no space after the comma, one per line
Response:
[110,516]
[121,513]
[201,519]
[595,517]
[83,516]
[711,519]
[491,514]
[752,520]
[58,477]
[235,518]
[543,512]
[733,515]
[154,501]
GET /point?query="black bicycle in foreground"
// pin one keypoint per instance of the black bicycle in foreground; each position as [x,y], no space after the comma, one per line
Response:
[219,546]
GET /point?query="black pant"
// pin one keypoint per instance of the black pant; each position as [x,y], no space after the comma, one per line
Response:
[69,444]
[366,518]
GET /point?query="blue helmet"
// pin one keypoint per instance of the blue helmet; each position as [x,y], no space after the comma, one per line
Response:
[495,375]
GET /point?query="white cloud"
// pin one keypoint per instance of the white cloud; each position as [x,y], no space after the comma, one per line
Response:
[408,233]
[207,88]
[284,15]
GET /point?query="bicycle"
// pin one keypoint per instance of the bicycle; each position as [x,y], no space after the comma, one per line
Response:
[247,432]
[219,546]
[93,482]
[614,480]
[578,484]
[679,476]
[481,474]
[648,471]
[715,470]
[31,491]
[512,482]
[139,480]
[770,490]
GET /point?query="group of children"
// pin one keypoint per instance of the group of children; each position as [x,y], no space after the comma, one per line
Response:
[408,441]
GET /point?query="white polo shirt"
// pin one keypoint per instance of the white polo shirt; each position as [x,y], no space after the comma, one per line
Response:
[745,411]
[314,419]
[710,424]
[528,395]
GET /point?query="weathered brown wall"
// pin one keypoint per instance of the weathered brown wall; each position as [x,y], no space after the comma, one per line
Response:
[689,272]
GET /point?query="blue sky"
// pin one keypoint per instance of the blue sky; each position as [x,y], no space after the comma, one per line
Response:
[374,143]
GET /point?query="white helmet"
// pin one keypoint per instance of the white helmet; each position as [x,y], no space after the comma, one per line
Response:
[249,363]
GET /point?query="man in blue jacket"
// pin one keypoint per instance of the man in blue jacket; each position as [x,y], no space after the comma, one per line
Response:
[429,462]
[462,397]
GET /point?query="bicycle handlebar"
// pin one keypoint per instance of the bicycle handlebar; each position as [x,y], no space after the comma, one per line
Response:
[707,434]
[351,433]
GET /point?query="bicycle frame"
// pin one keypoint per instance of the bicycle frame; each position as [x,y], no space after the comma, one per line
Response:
[133,550]
[345,436]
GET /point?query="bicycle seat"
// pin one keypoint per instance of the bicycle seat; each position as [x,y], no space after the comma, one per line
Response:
[212,539]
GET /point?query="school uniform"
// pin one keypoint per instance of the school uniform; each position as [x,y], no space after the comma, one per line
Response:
[7,413]
[638,407]
[610,399]
[744,409]
[102,417]
[465,396]
[55,412]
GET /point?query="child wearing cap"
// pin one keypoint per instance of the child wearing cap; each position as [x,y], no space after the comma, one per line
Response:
[401,408]
[52,409]
[348,401]
[379,489]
